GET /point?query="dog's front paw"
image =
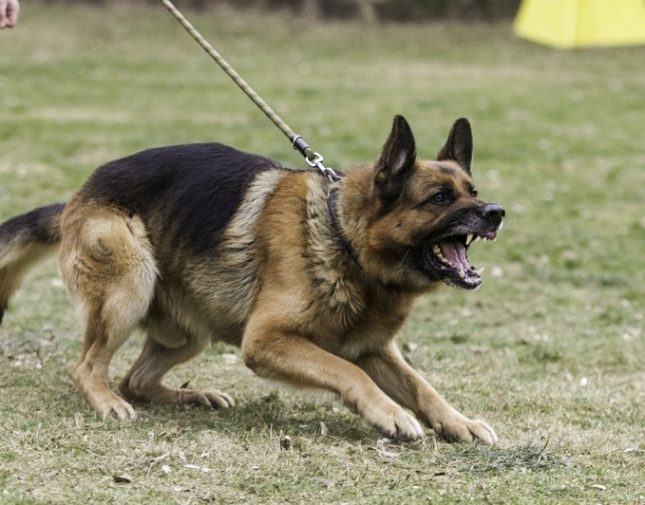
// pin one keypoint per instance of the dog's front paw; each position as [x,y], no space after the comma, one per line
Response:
[393,422]
[455,427]
[483,432]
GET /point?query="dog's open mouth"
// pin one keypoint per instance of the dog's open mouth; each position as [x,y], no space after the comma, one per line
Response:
[447,259]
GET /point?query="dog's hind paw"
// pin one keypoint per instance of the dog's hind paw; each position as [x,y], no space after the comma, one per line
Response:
[208,398]
[112,406]
[159,393]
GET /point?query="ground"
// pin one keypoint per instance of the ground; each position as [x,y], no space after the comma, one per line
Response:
[549,351]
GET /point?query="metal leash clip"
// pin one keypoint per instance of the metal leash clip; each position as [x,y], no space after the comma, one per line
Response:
[314,159]
[317,162]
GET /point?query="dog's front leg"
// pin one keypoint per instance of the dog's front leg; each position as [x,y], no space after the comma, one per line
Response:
[275,354]
[406,386]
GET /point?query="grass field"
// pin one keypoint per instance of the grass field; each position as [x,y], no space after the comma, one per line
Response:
[550,351]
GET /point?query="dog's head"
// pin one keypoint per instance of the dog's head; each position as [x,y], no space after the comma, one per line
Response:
[422,216]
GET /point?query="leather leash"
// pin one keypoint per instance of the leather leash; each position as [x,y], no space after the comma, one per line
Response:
[313,159]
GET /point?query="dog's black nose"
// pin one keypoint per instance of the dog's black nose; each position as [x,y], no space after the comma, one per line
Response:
[493,213]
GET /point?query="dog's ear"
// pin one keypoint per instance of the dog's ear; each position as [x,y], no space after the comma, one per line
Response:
[396,160]
[459,146]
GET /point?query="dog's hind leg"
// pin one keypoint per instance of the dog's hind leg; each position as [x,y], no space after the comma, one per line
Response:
[103,336]
[107,264]
[144,380]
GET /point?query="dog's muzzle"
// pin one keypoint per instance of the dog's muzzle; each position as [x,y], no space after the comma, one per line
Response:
[445,255]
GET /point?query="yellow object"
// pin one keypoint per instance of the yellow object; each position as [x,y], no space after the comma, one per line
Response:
[582,23]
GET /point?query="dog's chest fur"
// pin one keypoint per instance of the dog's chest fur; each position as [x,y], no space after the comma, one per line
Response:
[334,275]
[335,305]
[234,272]
[346,313]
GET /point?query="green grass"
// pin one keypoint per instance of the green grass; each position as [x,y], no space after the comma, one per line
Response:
[550,350]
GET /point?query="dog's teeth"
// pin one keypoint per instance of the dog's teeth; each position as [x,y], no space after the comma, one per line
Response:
[469,238]
[479,270]
[437,251]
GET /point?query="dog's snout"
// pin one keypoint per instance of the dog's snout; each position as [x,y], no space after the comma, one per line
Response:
[493,213]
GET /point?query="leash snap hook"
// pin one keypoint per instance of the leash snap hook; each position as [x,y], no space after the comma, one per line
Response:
[317,162]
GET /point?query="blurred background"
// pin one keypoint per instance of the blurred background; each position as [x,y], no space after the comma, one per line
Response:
[367,10]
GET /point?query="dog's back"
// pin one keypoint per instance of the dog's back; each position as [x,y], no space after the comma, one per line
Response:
[185,194]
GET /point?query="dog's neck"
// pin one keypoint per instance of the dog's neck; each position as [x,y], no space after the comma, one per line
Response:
[339,236]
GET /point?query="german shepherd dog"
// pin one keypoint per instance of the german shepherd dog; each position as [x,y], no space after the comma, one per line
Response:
[311,278]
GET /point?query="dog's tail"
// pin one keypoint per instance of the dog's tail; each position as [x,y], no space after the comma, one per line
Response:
[24,241]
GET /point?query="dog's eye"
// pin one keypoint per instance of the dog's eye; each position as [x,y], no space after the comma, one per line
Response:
[473,192]
[443,196]
[440,197]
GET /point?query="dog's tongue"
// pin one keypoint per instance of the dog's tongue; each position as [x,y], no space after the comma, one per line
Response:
[455,253]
